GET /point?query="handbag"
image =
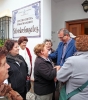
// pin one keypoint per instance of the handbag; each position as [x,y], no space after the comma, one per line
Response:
[64,96]
[28,83]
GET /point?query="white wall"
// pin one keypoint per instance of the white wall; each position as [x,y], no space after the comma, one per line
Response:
[45,19]
[62,11]
[66,10]
[54,10]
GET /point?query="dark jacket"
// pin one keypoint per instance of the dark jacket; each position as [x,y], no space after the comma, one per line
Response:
[17,74]
[44,75]
[71,49]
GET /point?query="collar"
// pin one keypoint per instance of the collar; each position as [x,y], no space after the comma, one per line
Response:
[80,53]
[69,41]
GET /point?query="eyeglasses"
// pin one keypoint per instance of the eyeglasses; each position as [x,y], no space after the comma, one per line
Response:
[61,37]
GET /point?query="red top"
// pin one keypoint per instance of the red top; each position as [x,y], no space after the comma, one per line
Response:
[30,57]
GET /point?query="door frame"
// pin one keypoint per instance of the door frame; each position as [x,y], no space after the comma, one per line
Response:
[79,21]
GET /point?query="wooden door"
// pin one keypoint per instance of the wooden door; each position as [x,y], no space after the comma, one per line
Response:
[75,29]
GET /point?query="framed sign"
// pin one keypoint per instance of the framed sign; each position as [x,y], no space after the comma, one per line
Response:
[26,21]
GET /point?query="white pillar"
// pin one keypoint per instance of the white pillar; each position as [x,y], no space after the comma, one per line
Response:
[46,19]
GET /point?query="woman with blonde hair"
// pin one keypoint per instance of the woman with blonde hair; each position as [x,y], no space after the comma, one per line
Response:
[44,74]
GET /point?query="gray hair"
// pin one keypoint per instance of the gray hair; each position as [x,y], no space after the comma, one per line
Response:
[65,31]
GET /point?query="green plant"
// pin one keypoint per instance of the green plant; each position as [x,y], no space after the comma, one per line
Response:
[1,43]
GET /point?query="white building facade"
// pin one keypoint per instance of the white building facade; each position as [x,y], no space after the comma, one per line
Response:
[54,13]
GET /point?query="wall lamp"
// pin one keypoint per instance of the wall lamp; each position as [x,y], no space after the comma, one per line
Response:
[85,5]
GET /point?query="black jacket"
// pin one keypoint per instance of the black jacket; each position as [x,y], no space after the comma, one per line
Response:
[17,74]
[44,75]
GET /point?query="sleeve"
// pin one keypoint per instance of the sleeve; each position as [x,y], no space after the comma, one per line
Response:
[65,72]
[26,66]
[47,72]
[29,53]
[54,54]
[74,50]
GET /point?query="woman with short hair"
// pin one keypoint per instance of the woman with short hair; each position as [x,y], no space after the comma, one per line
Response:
[25,52]
[18,68]
[6,90]
[44,74]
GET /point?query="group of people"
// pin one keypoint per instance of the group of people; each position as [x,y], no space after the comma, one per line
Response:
[19,65]
[52,68]
[66,65]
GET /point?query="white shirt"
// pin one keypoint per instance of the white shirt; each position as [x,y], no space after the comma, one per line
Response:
[25,55]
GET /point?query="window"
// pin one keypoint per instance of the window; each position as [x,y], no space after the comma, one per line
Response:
[4,29]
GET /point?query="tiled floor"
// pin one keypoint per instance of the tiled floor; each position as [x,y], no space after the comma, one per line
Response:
[5,99]
[30,96]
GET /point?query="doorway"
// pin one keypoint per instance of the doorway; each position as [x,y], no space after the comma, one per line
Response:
[78,27]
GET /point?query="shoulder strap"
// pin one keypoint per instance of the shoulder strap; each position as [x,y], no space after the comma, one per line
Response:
[79,89]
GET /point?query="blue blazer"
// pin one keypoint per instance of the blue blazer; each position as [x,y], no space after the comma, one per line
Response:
[71,49]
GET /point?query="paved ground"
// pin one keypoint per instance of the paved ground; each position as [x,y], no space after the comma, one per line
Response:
[30,96]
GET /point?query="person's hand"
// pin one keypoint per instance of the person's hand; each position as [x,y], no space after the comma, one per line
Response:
[7,91]
[55,79]
[57,67]
[15,95]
